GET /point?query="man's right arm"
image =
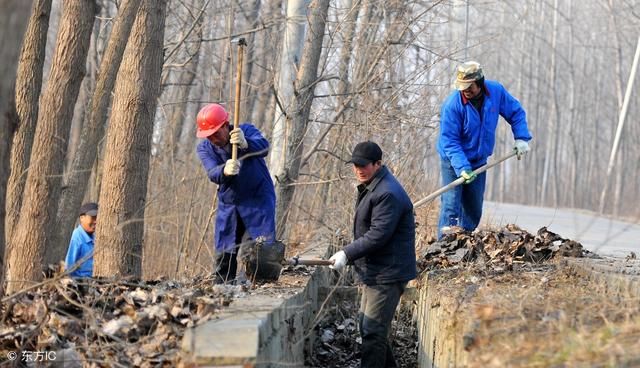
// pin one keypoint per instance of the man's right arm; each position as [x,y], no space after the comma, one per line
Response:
[211,164]
[73,253]
[451,138]
[385,215]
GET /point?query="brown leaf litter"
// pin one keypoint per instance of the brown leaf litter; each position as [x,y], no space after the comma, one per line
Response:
[498,250]
[100,323]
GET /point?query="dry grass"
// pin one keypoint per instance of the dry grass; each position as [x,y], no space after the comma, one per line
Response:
[544,316]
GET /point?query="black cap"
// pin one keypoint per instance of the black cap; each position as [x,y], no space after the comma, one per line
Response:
[366,152]
[90,209]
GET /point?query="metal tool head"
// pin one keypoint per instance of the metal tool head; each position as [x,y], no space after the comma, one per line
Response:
[262,260]
[240,41]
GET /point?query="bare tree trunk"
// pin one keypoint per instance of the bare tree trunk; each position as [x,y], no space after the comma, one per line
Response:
[349,27]
[27,90]
[262,104]
[177,120]
[551,122]
[87,151]
[81,110]
[40,201]
[249,87]
[289,60]
[298,116]
[119,234]
[618,78]
[573,153]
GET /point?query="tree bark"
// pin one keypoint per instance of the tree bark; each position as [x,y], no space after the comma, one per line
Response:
[298,116]
[177,119]
[334,136]
[27,90]
[33,232]
[292,46]
[87,151]
[262,104]
[119,234]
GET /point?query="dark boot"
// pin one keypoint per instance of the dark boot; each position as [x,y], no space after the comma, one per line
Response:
[226,267]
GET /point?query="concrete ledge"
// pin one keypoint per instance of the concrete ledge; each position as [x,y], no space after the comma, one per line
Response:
[259,330]
[617,275]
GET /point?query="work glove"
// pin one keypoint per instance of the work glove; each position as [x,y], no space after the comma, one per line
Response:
[339,260]
[521,147]
[468,176]
[231,167]
[237,137]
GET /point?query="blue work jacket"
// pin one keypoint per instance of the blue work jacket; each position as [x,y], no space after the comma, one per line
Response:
[467,138]
[250,194]
[80,245]
[384,232]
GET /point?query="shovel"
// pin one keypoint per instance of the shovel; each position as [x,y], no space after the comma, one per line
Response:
[263,261]
[460,181]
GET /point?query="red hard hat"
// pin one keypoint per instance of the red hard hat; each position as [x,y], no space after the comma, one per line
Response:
[210,118]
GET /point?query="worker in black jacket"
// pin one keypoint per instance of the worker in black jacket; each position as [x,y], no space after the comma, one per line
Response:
[382,251]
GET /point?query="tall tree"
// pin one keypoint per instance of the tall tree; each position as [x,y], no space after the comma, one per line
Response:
[27,92]
[290,54]
[87,151]
[298,115]
[40,200]
[13,20]
[119,235]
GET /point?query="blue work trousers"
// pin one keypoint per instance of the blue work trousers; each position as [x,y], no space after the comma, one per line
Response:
[462,205]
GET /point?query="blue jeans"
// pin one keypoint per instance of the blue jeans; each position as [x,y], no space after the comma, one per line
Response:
[462,205]
[377,307]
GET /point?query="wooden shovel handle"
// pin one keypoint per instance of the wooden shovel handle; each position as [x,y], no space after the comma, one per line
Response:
[460,181]
[310,262]
[236,110]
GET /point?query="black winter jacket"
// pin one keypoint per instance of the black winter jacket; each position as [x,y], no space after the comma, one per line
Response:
[383,251]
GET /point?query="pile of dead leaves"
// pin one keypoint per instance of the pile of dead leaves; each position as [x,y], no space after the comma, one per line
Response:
[498,249]
[99,323]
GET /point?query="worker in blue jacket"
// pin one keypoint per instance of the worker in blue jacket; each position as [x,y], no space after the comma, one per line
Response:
[469,118]
[246,196]
[81,245]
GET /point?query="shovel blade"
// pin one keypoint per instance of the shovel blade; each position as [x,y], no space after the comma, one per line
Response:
[262,261]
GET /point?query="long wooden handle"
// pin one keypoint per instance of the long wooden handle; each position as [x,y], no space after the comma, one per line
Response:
[236,110]
[310,262]
[460,180]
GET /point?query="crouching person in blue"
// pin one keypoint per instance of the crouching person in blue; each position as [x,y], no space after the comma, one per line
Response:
[81,244]
[468,122]
[382,251]
[246,196]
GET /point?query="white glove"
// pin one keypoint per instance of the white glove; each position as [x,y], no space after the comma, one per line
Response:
[237,137]
[231,167]
[339,260]
[521,147]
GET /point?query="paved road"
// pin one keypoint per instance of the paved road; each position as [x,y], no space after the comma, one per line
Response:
[601,235]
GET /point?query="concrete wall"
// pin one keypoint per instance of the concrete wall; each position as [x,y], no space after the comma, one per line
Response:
[265,329]
[440,332]
[259,330]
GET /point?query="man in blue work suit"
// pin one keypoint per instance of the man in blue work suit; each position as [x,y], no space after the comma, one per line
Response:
[469,118]
[246,196]
[81,244]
